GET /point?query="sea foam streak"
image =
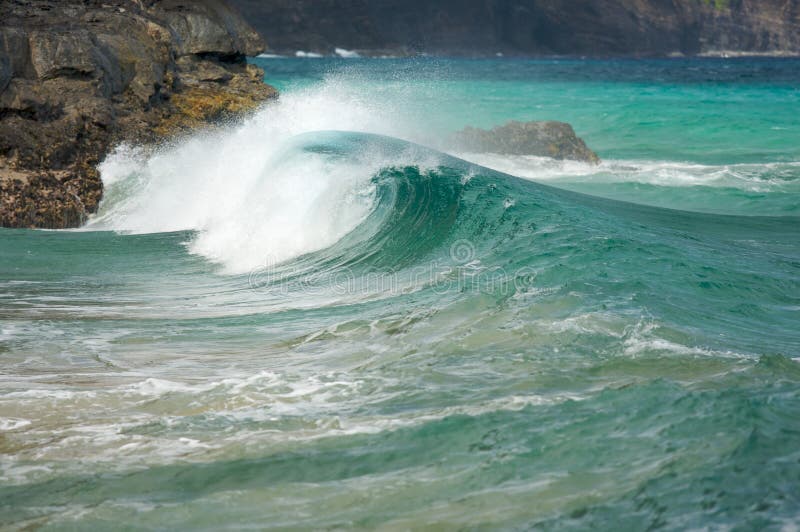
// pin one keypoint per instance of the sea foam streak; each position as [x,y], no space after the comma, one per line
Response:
[746,189]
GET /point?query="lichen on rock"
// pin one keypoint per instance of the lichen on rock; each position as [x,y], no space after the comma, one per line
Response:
[77,77]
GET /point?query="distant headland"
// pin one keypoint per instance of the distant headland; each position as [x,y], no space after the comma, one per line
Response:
[591,28]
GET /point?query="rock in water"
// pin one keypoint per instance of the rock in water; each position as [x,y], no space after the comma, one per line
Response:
[545,139]
[78,76]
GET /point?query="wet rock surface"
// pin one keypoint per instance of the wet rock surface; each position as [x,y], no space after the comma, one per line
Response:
[541,138]
[77,77]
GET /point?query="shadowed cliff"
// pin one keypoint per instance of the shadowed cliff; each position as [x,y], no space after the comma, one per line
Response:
[77,77]
[529,27]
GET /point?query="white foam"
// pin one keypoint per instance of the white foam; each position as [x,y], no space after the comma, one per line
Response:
[253,200]
[642,339]
[49,394]
[751,177]
[8,424]
[158,387]
[307,55]
[638,346]
[346,54]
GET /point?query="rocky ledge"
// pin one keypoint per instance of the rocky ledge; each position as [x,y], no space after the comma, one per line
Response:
[544,139]
[78,77]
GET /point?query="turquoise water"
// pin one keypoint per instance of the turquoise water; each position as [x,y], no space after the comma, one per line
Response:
[319,319]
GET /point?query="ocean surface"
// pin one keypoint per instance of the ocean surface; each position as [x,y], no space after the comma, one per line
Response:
[323,318]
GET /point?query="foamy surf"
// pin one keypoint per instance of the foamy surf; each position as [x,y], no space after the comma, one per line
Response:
[250,193]
[444,343]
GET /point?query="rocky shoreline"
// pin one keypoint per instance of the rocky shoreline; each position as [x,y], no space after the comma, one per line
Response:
[78,77]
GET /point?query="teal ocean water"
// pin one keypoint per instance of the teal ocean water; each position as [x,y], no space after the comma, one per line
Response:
[323,318]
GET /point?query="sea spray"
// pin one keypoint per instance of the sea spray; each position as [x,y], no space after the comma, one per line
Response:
[251,197]
[477,350]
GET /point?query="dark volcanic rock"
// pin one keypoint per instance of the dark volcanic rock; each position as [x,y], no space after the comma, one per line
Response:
[529,27]
[77,77]
[209,27]
[545,139]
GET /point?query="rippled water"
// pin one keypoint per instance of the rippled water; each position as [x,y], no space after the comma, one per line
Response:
[319,319]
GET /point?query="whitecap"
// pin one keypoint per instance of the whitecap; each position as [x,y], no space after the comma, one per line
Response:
[346,54]
[307,55]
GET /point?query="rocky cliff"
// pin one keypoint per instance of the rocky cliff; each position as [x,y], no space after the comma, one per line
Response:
[76,77]
[530,27]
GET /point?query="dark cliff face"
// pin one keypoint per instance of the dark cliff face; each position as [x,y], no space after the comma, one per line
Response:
[529,27]
[76,77]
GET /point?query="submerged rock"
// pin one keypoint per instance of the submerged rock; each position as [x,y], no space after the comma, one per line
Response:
[77,77]
[545,139]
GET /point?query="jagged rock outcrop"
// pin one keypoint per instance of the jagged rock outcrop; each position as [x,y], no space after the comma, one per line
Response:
[76,77]
[529,27]
[544,139]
